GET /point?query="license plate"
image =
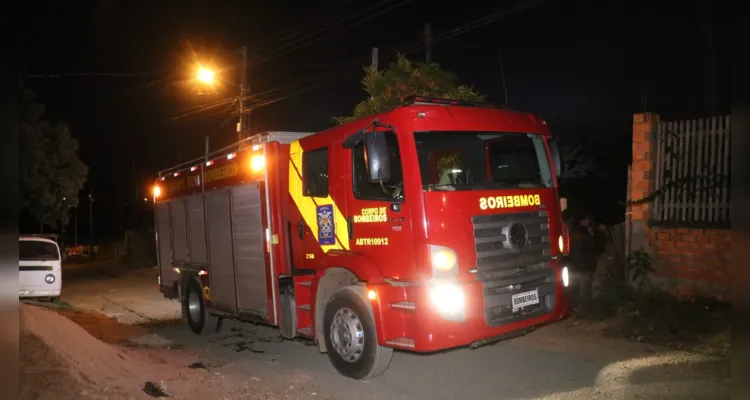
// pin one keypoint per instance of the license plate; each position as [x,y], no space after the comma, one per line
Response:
[525,299]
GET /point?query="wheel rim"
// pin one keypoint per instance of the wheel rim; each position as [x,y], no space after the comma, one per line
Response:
[347,335]
[194,306]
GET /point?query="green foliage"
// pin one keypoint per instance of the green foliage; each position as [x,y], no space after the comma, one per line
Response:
[388,88]
[639,267]
[50,174]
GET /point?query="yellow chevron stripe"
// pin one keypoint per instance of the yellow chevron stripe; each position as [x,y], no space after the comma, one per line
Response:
[308,205]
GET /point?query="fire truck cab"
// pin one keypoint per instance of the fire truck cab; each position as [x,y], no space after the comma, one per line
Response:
[432,226]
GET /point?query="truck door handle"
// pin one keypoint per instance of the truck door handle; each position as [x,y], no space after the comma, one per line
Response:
[350,226]
[301,229]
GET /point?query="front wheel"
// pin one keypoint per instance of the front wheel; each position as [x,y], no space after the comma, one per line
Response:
[195,313]
[350,337]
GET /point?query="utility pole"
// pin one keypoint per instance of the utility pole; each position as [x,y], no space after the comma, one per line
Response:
[243,89]
[428,43]
[206,148]
[502,74]
[91,225]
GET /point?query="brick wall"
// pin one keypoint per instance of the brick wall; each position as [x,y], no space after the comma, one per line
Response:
[688,260]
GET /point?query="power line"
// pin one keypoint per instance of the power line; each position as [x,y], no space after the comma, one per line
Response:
[306,41]
[268,50]
[202,109]
[295,30]
[89,74]
[338,73]
[472,25]
[130,91]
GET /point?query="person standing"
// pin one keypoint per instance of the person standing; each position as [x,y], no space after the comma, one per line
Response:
[583,239]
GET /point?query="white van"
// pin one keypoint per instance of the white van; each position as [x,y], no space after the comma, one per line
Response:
[39,268]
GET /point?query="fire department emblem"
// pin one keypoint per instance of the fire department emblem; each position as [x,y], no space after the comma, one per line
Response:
[326,226]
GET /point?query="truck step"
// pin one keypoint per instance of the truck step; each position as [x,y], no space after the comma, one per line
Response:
[303,297]
[306,332]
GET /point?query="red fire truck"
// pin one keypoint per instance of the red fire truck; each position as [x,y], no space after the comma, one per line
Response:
[432,226]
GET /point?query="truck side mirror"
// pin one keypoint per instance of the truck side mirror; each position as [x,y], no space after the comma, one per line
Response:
[554,149]
[376,157]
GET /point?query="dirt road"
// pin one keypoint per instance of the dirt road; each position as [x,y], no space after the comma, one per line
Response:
[129,296]
[559,361]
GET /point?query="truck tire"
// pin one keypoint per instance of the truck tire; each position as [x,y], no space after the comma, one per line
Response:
[351,339]
[194,311]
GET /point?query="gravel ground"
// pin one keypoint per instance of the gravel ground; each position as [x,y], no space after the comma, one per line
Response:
[130,297]
[559,361]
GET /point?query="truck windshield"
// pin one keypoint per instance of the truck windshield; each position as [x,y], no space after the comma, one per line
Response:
[482,160]
[37,250]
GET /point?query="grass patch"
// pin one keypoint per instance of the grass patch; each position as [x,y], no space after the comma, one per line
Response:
[657,317]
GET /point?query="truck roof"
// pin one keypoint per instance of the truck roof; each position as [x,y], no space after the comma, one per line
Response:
[435,113]
[440,114]
[257,139]
[38,238]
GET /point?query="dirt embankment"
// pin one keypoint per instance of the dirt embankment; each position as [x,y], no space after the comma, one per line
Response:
[61,360]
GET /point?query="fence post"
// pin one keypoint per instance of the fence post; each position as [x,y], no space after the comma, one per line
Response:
[645,128]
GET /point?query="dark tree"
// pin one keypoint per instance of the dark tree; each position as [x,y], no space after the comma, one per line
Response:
[50,174]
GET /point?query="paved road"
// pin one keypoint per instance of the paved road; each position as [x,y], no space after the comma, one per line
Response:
[559,361]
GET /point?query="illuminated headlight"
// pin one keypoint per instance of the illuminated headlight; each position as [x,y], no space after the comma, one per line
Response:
[49,278]
[565,277]
[444,262]
[561,244]
[449,300]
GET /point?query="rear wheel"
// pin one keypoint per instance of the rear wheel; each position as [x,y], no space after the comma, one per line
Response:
[351,340]
[194,311]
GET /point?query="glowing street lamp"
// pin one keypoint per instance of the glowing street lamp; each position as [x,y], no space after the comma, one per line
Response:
[206,75]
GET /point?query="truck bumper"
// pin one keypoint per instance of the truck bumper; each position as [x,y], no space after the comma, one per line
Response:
[408,318]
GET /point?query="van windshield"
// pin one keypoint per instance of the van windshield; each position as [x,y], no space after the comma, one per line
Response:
[36,250]
[482,160]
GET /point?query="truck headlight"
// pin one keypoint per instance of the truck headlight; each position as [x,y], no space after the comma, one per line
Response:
[561,244]
[449,300]
[444,262]
[49,278]
[565,277]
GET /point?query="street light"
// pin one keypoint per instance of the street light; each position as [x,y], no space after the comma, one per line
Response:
[206,75]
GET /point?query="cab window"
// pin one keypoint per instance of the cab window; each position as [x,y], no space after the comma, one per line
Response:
[315,172]
[393,189]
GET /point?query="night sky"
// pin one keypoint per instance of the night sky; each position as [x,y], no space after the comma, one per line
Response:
[584,65]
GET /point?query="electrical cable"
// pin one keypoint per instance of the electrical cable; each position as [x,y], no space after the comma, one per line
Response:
[472,25]
[299,29]
[339,74]
[307,40]
[89,74]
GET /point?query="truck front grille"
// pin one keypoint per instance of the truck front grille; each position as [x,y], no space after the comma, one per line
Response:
[509,262]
